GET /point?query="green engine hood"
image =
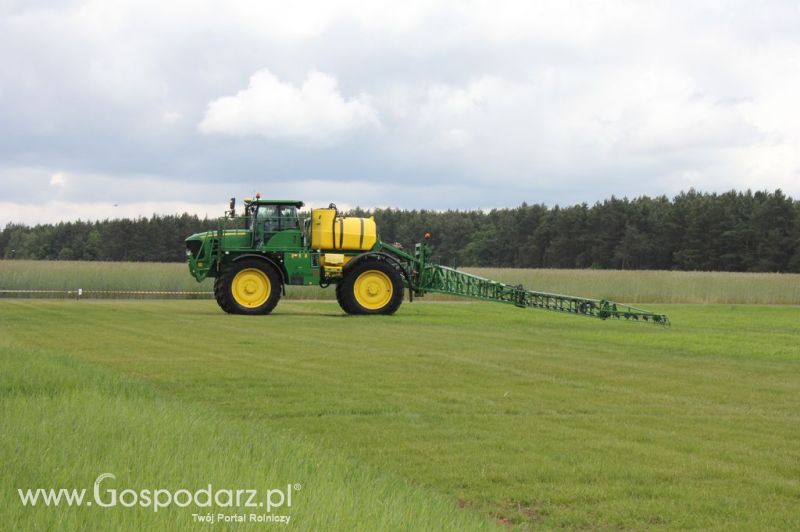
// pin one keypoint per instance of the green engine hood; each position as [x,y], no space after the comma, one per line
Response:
[201,248]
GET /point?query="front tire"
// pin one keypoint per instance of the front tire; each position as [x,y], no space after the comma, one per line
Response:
[248,287]
[371,287]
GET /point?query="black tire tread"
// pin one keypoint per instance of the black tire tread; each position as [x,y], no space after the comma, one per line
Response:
[345,288]
[341,299]
[224,297]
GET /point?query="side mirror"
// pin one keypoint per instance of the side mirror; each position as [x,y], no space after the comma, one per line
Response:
[232,207]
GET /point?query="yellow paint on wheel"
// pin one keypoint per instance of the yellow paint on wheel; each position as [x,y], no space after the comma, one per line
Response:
[373,289]
[251,288]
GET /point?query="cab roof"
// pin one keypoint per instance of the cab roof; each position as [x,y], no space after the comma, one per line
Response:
[262,201]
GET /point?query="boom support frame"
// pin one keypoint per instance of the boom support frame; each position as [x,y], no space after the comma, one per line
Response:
[428,277]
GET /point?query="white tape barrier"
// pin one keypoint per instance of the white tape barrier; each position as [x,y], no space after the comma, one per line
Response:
[80,292]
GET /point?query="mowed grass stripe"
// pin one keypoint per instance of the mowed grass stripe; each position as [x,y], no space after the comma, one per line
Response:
[608,365]
[543,419]
[64,422]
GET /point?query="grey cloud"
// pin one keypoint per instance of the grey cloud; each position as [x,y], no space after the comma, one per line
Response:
[476,108]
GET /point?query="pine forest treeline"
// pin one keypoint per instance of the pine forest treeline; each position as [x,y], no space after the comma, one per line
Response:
[734,231]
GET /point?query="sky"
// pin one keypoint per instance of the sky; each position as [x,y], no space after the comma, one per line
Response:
[130,108]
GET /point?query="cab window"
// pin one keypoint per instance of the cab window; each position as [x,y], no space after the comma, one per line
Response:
[274,218]
[288,217]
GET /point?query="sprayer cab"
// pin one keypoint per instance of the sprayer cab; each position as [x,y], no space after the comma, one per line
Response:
[268,217]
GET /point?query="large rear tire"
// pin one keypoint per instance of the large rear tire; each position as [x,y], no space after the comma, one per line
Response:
[248,287]
[342,299]
[370,287]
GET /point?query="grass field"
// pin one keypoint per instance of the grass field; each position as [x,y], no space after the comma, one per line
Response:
[444,416]
[622,286]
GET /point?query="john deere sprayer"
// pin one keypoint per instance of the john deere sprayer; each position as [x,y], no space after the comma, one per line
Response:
[253,257]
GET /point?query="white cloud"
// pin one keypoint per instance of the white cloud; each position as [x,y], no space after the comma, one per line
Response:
[314,111]
[58,179]
[89,186]
[169,118]
[57,211]
[660,124]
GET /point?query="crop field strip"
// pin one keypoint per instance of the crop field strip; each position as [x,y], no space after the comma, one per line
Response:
[153,280]
[533,419]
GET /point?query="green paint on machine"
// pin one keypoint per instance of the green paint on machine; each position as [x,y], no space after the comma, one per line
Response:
[253,256]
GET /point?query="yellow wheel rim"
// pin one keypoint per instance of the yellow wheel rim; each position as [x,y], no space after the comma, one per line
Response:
[251,288]
[373,289]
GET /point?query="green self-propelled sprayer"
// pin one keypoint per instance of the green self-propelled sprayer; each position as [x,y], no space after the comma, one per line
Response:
[253,257]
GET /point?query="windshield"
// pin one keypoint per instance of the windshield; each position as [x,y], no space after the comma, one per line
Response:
[274,218]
